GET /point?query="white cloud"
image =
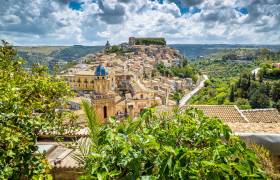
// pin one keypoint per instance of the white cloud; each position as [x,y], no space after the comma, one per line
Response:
[219,21]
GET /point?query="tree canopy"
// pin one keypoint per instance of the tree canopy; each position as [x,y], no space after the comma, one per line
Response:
[29,103]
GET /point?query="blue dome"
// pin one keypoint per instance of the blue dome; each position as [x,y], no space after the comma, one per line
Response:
[101,71]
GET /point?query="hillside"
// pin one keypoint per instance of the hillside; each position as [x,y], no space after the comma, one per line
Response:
[46,54]
[50,55]
[192,51]
[232,81]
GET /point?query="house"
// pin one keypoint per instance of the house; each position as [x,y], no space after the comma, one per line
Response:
[261,126]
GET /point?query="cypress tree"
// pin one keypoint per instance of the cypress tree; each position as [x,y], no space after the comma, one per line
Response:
[231,95]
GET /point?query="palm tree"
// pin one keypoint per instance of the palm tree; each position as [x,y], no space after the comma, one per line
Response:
[87,146]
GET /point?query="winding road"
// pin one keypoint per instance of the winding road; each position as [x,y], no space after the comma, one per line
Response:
[187,96]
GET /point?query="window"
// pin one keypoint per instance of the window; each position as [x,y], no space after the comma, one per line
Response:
[142,96]
[105,112]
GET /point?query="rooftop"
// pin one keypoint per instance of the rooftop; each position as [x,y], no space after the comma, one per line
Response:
[255,127]
[262,115]
[245,121]
[228,113]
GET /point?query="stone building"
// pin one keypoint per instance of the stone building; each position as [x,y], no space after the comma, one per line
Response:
[112,94]
[129,101]
[85,79]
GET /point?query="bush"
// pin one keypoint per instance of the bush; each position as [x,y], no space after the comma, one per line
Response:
[28,105]
[182,145]
[243,103]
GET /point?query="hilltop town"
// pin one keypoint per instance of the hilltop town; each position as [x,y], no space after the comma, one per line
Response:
[123,80]
[130,98]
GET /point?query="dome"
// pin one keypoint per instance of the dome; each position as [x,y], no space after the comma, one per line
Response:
[101,71]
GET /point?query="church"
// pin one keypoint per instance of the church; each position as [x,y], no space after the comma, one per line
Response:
[112,95]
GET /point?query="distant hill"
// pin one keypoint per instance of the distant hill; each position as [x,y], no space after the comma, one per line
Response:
[48,54]
[197,50]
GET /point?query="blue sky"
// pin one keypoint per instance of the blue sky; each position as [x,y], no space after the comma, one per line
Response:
[93,22]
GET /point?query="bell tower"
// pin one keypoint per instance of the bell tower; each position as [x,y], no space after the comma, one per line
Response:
[103,99]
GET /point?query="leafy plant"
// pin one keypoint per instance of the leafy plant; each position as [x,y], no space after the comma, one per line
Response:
[29,103]
[181,145]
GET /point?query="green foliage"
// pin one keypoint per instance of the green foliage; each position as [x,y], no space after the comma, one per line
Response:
[245,93]
[259,100]
[181,145]
[231,95]
[265,159]
[117,49]
[215,91]
[28,103]
[243,103]
[183,70]
[265,55]
[267,71]
[249,91]
[221,68]
[259,94]
[46,55]
[177,96]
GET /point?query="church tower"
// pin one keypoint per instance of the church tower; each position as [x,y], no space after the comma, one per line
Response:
[107,46]
[103,99]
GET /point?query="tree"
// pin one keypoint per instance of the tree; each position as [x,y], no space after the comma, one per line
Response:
[177,96]
[182,145]
[28,105]
[275,91]
[276,105]
[259,100]
[243,103]
[231,94]
[260,76]
[254,76]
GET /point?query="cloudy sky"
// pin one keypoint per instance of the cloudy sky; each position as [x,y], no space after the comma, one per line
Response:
[92,22]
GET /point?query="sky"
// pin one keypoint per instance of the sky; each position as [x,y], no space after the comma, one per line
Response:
[93,22]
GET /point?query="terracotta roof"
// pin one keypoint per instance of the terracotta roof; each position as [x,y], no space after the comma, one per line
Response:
[228,113]
[262,115]
[255,127]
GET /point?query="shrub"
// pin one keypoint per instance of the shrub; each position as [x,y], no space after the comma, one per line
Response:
[181,145]
[28,104]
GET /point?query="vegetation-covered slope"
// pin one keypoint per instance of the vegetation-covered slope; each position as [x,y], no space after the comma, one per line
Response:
[232,82]
[47,55]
